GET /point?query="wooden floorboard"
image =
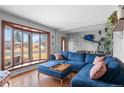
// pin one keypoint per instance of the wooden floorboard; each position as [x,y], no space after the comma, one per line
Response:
[30,79]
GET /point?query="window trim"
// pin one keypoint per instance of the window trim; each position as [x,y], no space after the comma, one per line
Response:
[20,27]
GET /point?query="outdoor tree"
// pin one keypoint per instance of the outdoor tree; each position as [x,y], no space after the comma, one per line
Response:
[17,37]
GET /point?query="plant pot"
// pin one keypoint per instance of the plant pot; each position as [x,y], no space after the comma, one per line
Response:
[120,13]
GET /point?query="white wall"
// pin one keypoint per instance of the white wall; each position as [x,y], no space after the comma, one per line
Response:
[76,40]
[118,45]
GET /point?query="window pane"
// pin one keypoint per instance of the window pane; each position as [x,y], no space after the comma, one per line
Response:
[43,46]
[25,47]
[8,46]
[35,46]
[17,47]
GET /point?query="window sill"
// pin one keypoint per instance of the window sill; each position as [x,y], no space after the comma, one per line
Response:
[26,64]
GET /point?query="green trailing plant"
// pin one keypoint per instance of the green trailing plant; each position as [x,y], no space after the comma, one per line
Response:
[105,44]
[112,19]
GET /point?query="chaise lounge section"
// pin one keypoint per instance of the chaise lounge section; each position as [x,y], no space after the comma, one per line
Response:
[82,79]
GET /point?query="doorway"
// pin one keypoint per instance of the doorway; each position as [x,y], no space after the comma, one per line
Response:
[63,43]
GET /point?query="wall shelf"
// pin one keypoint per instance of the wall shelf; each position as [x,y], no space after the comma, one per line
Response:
[93,41]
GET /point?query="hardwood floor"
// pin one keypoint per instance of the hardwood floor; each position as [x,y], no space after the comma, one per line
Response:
[30,79]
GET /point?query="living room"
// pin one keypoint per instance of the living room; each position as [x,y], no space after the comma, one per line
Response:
[47,47]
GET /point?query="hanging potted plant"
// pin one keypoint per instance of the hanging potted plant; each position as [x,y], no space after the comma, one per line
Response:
[120,12]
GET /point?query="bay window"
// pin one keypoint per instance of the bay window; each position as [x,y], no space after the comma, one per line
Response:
[22,44]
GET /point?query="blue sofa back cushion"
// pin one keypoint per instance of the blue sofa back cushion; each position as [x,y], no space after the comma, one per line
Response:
[52,57]
[90,58]
[108,59]
[113,69]
[73,56]
[64,54]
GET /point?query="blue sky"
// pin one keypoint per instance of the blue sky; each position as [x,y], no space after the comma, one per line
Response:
[8,34]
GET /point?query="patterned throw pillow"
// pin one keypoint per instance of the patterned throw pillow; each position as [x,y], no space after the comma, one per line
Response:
[98,70]
[98,59]
[58,56]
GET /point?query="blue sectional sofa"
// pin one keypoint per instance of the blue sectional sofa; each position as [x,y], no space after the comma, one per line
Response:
[83,62]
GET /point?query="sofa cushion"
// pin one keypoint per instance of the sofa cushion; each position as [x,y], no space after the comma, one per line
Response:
[58,56]
[82,79]
[108,59]
[64,54]
[76,65]
[98,59]
[90,58]
[113,69]
[98,70]
[76,56]
[52,57]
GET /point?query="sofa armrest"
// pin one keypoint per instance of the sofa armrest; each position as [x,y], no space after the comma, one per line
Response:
[51,57]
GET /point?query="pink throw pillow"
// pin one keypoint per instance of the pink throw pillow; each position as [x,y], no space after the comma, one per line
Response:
[58,57]
[98,59]
[98,70]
